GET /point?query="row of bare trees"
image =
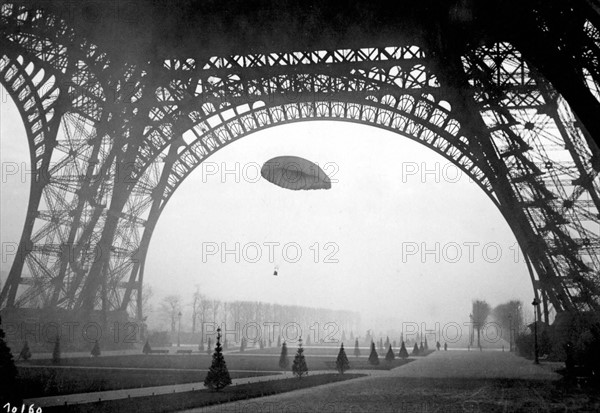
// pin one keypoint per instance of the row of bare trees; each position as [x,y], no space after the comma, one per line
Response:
[201,309]
[509,316]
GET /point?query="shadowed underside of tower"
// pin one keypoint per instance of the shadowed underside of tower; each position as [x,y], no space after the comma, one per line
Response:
[122,100]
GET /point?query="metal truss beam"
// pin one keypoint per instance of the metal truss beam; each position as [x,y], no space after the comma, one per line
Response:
[115,138]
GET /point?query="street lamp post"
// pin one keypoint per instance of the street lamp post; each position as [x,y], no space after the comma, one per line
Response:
[510,333]
[472,332]
[179,331]
[535,304]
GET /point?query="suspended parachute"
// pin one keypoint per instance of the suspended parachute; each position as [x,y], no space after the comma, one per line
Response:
[295,173]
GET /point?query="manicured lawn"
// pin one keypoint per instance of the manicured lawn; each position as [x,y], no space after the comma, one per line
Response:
[187,400]
[163,361]
[49,381]
[321,351]
[363,364]
[235,361]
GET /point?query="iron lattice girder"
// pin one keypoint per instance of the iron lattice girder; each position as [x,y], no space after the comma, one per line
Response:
[120,102]
[35,94]
[272,64]
[570,28]
[37,102]
[554,236]
[159,138]
[81,88]
[221,135]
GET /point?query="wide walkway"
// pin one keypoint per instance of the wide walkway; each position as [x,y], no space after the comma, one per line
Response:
[389,392]
[475,364]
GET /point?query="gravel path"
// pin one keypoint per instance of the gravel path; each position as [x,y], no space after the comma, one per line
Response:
[440,382]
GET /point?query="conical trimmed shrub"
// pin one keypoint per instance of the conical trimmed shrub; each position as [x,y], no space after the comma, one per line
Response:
[208,346]
[299,367]
[217,377]
[403,354]
[356,349]
[373,357]
[415,351]
[96,349]
[25,353]
[341,363]
[390,356]
[56,351]
[284,362]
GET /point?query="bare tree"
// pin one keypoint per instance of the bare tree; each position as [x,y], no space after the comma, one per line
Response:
[235,308]
[510,316]
[481,311]
[224,312]
[205,304]
[247,310]
[147,294]
[258,312]
[170,308]
[196,306]
[214,306]
[209,309]
[201,305]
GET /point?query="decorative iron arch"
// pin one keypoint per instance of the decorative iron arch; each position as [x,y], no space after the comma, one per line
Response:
[207,137]
[124,134]
[185,152]
[437,130]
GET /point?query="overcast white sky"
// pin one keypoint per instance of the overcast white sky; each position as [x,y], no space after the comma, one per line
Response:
[380,206]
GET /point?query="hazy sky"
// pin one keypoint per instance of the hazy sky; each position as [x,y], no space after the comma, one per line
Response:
[382,208]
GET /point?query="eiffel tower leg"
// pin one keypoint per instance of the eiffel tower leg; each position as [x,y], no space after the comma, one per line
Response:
[454,78]
[25,87]
[153,216]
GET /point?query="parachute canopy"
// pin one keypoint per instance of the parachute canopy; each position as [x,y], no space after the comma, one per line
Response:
[295,173]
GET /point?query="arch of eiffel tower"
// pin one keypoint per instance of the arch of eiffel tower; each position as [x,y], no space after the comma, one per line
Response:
[122,100]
